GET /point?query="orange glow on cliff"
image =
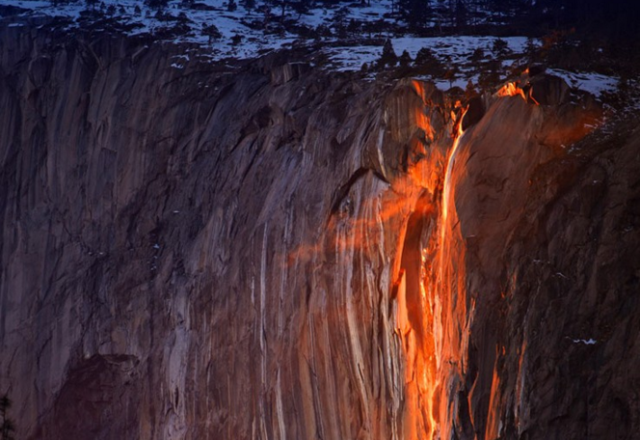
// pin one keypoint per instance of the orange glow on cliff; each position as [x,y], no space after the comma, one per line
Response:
[421,120]
[431,320]
[438,363]
[520,385]
[511,89]
[446,193]
[446,288]
[430,357]
[493,417]
[386,212]
[418,86]
[418,343]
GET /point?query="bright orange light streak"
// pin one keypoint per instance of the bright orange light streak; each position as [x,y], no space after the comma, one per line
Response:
[511,89]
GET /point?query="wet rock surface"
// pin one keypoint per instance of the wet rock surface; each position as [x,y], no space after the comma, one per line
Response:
[247,252]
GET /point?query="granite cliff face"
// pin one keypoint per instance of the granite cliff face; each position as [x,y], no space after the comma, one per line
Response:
[273,252]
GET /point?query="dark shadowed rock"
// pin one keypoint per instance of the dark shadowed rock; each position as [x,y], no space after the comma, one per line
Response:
[100,399]
[547,90]
[287,72]
[536,69]
[474,113]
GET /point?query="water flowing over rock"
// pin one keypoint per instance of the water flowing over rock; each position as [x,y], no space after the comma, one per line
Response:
[270,251]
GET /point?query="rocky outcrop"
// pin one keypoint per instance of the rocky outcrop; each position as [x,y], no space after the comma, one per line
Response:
[572,297]
[262,251]
[548,90]
[217,251]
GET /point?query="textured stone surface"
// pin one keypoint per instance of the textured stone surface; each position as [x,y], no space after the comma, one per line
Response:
[207,253]
[538,279]
[235,241]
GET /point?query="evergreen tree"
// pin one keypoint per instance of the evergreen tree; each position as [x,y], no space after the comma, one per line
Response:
[414,12]
[248,4]
[211,31]
[405,59]
[500,48]
[427,62]
[460,14]
[281,4]
[157,4]
[388,57]
[300,7]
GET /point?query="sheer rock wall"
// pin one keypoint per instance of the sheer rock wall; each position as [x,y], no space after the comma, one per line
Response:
[216,252]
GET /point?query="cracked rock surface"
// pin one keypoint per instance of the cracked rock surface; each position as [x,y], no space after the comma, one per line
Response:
[237,252]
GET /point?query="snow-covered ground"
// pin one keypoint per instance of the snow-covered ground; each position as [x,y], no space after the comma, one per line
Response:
[344,31]
[451,50]
[257,30]
[454,49]
[591,82]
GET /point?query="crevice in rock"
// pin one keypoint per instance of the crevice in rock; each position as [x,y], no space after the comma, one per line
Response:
[341,194]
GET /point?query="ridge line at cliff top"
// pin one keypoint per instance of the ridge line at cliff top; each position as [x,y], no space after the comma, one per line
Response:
[342,55]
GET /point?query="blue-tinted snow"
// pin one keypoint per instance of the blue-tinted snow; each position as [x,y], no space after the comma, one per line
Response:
[254,42]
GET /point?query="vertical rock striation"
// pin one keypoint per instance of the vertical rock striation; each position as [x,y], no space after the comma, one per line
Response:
[272,252]
[525,327]
[201,253]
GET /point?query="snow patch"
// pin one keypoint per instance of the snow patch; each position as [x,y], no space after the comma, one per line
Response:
[591,82]
[584,341]
[589,341]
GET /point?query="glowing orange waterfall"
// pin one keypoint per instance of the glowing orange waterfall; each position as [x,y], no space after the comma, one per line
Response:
[434,352]
[455,381]
[446,192]
[417,340]
[447,298]
[446,314]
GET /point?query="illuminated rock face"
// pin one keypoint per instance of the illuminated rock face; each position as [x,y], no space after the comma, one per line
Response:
[206,253]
